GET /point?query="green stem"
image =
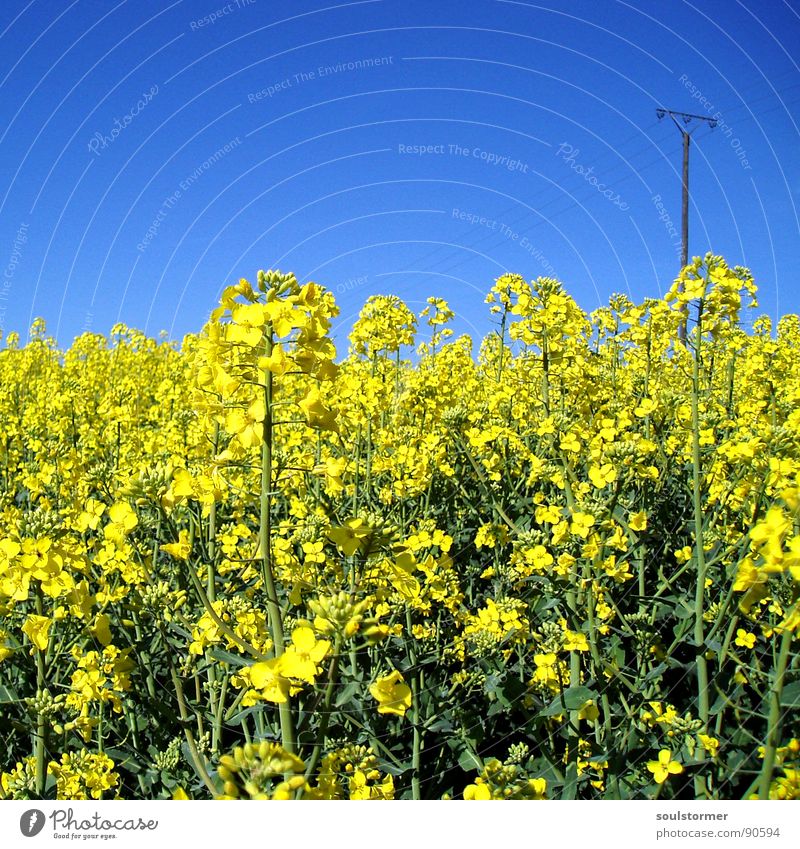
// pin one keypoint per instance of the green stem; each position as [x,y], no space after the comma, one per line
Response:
[573,730]
[775,716]
[327,701]
[41,727]
[211,591]
[502,345]
[416,684]
[701,663]
[229,632]
[197,759]
[595,652]
[265,543]
[216,731]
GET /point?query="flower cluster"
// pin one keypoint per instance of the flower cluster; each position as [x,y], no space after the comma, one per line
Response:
[245,566]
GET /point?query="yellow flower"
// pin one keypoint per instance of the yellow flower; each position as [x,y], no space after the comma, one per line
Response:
[569,442]
[123,521]
[284,317]
[392,694]
[277,362]
[774,526]
[350,536]
[41,560]
[246,425]
[37,629]
[575,641]
[92,513]
[181,549]
[302,658]
[267,677]
[710,744]
[81,775]
[479,791]
[744,638]
[581,523]
[638,522]
[314,551]
[645,408]
[664,766]
[101,628]
[316,413]
[248,324]
[603,475]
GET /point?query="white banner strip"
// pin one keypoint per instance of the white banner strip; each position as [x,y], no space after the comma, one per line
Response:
[595,825]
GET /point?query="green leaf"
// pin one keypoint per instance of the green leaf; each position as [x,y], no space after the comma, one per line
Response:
[469,762]
[656,672]
[240,717]
[393,769]
[790,696]
[7,695]
[497,707]
[228,657]
[347,693]
[573,698]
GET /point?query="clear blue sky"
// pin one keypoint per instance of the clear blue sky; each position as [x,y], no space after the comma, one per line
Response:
[153,152]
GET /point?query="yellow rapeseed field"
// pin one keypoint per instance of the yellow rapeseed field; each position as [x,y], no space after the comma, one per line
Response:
[561,562]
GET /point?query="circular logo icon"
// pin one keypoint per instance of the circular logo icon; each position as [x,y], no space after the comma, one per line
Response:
[31,822]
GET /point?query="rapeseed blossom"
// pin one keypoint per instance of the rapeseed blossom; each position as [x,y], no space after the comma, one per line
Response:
[250,565]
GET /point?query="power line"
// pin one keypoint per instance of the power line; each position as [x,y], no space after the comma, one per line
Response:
[451,253]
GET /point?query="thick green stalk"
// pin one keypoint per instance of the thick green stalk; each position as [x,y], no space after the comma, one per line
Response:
[605,728]
[211,592]
[573,732]
[416,684]
[641,552]
[701,664]
[326,710]
[216,731]
[130,721]
[265,544]
[502,345]
[41,727]
[775,716]
[573,728]
[545,374]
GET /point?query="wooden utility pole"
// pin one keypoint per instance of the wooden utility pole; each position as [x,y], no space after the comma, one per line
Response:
[687,119]
[685,202]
